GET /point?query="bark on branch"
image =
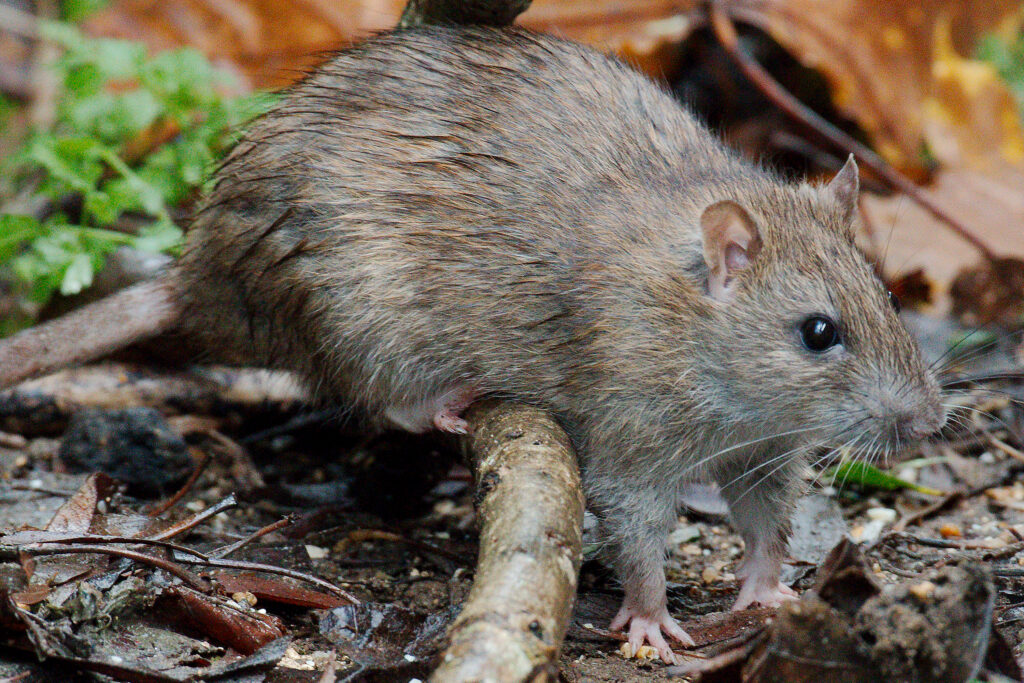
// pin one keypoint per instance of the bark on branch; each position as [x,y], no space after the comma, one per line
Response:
[465,12]
[530,508]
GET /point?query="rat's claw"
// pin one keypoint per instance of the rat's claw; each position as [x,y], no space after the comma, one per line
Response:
[450,406]
[449,421]
[769,596]
[645,629]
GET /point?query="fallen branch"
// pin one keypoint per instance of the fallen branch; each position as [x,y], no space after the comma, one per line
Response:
[530,509]
[464,12]
[43,406]
[725,31]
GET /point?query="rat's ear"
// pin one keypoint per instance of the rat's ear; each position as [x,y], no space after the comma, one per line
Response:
[844,188]
[731,243]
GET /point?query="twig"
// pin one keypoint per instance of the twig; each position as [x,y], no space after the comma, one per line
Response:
[725,31]
[927,511]
[119,540]
[270,569]
[1006,448]
[197,519]
[142,558]
[186,487]
[530,508]
[228,549]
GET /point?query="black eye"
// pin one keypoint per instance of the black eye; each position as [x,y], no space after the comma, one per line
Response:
[895,301]
[819,333]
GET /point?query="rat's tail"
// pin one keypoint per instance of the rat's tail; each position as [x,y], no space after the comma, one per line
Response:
[131,315]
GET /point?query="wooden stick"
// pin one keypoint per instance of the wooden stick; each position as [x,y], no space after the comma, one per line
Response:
[131,315]
[530,508]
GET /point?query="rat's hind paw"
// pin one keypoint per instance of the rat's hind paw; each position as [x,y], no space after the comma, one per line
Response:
[647,629]
[447,415]
[769,596]
[449,421]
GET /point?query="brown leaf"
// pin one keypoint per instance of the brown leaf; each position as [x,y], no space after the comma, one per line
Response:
[898,70]
[220,619]
[277,590]
[75,516]
[989,293]
[991,203]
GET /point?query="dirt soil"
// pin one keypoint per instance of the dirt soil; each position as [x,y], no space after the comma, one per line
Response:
[389,517]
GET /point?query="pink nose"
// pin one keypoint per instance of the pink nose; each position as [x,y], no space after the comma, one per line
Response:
[917,427]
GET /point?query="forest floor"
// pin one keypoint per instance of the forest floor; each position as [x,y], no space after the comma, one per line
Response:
[388,519]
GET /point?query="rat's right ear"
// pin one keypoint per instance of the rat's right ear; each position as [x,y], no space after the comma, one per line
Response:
[845,188]
[731,243]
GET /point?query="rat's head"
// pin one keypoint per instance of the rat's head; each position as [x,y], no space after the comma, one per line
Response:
[809,340]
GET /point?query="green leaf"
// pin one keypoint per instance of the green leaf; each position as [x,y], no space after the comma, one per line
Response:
[15,232]
[111,93]
[77,275]
[76,10]
[159,238]
[869,476]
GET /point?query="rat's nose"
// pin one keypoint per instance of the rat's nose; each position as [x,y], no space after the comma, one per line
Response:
[918,426]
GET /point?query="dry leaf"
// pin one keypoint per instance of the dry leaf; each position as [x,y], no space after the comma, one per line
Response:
[991,204]
[898,69]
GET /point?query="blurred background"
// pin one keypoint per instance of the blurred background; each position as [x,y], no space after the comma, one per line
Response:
[114,112]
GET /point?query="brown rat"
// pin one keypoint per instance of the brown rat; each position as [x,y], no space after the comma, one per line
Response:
[443,213]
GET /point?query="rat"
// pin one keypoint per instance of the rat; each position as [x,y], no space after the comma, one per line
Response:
[444,213]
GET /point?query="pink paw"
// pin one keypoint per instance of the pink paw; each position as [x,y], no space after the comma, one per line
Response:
[448,420]
[754,591]
[647,629]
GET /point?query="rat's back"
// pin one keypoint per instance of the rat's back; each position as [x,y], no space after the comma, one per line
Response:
[437,198]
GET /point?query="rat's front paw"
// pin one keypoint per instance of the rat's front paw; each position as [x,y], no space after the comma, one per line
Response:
[767,595]
[644,628]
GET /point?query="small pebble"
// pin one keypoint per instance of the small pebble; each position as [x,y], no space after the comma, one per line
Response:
[684,534]
[710,575]
[949,530]
[315,552]
[884,515]
[869,532]
[645,652]
[244,598]
[922,591]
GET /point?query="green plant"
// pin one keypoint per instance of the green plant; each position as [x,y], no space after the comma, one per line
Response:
[134,137]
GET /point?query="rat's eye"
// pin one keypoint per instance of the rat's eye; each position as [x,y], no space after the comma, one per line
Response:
[895,301]
[819,333]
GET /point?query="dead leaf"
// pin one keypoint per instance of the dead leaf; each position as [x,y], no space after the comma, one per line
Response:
[220,619]
[989,293]
[990,203]
[76,514]
[901,70]
[277,590]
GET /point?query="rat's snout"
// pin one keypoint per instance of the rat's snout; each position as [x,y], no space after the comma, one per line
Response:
[910,418]
[916,426]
